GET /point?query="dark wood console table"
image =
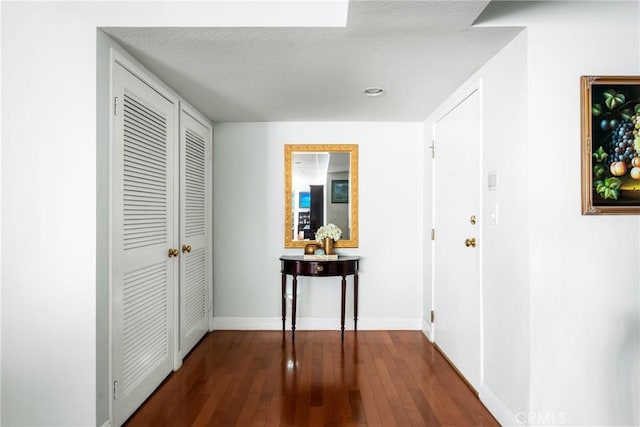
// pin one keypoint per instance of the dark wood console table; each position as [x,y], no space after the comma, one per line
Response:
[296,265]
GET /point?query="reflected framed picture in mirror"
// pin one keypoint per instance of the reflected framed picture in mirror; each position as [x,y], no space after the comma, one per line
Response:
[305,199]
[340,191]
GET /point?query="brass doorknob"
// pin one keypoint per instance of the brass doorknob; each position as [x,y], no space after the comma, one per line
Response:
[173,252]
[186,248]
[470,242]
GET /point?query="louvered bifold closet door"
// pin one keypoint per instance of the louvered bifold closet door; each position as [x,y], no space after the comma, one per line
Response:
[195,228]
[144,220]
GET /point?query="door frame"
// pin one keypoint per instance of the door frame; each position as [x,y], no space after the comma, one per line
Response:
[462,94]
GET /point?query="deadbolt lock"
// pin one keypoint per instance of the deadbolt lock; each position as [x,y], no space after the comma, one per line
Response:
[470,242]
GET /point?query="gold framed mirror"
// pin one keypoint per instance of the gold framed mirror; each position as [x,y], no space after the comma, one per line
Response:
[320,187]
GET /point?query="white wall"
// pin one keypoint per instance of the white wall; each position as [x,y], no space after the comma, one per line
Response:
[584,278]
[506,284]
[249,225]
[48,241]
[584,303]
[1,246]
[505,275]
[49,188]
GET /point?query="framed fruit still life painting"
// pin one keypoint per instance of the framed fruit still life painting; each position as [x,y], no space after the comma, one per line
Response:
[610,108]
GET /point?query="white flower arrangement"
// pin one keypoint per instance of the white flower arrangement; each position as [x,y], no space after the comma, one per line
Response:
[331,230]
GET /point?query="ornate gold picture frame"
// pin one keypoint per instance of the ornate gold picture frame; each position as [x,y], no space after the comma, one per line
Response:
[610,115]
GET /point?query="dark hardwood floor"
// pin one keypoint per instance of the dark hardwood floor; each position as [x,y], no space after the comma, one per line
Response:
[257,378]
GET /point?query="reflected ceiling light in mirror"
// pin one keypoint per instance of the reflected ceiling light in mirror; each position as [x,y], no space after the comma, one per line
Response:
[373,91]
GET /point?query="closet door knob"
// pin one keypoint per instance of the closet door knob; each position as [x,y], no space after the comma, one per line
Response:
[186,249]
[173,253]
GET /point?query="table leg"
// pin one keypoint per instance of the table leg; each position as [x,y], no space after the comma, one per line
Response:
[355,301]
[344,291]
[284,299]
[293,308]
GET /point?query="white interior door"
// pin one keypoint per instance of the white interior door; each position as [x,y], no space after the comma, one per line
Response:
[195,229]
[457,187]
[144,225]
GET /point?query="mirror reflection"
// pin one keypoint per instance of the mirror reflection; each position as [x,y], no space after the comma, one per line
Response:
[320,189]
[320,184]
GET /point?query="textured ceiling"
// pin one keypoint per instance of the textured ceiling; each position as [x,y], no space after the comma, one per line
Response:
[418,51]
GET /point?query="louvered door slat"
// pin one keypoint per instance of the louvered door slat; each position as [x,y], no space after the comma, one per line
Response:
[146,159]
[148,167]
[139,138]
[145,168]
[140,141]
[140,177]
[196,303]
[147,119]
[149,162]
[141,186]
[195,184]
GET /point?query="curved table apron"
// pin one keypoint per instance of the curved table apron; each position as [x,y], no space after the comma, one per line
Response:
[296,265]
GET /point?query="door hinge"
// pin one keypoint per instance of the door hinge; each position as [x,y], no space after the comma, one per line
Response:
[433,316]
[115,106]
[433,234]
[433,149]
[115,390]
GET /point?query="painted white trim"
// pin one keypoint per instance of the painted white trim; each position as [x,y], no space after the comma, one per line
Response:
[247,323]
[498,409]
[390,323]
[479,88]
[426,329]
[106,424]
[317,324]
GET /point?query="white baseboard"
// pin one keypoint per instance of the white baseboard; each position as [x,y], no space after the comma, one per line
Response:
[247,323]
[316,324]
[390,324]
[498,409]
[106,424]
[426,330]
